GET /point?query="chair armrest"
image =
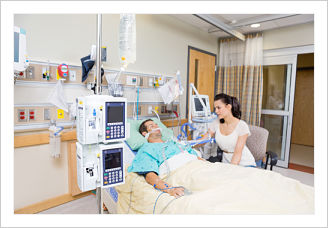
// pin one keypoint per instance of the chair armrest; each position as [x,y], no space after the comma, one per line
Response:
[273,159]
[219,154]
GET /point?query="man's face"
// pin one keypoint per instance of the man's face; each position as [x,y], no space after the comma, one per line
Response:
[150,125]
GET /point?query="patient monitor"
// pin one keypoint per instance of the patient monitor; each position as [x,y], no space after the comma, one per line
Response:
[99,165]
[197,108]
[101,119]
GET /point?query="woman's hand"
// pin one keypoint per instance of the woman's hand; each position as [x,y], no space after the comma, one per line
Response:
[176,192]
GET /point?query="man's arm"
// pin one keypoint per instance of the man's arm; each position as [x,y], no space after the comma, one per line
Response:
[154,180]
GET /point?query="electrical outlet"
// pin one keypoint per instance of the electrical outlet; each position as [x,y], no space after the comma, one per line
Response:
[46,114]
[72,75]
[60,114]
[140,81]
[31,114]
[20,75]
[22,115]
[30,72]
[150,82]
[150,108]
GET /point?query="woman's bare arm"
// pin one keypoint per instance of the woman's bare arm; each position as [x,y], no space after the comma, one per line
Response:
[239,149]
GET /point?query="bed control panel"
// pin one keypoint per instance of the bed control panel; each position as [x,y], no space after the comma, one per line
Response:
[112,166]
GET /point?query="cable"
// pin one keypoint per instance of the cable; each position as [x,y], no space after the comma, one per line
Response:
[162,194]
[156,201]
[156,114]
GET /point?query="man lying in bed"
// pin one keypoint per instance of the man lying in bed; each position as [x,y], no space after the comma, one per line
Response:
[153,157]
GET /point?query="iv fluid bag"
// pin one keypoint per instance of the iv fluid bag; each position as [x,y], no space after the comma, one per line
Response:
[127,39]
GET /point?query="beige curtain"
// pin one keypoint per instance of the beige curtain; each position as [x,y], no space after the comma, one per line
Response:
[240,74]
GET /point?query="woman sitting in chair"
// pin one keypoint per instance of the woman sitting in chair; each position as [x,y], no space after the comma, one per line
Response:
[230,131]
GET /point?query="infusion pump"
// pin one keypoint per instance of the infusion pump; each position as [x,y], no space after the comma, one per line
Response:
[101,119]
[99,165]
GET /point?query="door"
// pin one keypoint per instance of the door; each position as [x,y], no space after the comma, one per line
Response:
[201,72]
[279,75]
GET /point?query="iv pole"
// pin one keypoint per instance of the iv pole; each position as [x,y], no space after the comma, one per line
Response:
[98,89]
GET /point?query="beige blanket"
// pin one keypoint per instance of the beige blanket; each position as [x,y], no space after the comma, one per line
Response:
[218,188]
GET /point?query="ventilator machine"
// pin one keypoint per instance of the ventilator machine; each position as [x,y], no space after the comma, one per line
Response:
[101,129]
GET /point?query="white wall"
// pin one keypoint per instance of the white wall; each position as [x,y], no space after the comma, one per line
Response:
[292,36]
[162,48]
[162,43]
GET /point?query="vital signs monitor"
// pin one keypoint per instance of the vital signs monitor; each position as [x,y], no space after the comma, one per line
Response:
[197,108]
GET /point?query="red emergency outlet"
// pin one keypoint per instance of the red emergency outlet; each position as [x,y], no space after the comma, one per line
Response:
[22,113]
[31,117]
[32,113]
[22,117]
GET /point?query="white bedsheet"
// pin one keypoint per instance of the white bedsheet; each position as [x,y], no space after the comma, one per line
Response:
[219,188]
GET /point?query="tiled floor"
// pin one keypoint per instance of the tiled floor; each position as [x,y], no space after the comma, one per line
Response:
[301,155]
[88,204]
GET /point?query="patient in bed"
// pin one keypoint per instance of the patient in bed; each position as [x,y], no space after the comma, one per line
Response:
[217,188]
[154,158]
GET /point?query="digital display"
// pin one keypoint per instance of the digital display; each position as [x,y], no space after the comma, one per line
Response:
[198,105]
[115,113]
[112,160]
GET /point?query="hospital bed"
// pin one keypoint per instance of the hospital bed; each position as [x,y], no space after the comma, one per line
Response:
[233,195]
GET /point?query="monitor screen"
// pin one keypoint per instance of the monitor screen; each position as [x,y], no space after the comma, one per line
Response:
[115,113]
[198,105]
[112,160]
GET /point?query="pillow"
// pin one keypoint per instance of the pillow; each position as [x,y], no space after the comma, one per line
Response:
[136,140]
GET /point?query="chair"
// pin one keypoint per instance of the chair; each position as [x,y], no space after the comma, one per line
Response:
[256,143]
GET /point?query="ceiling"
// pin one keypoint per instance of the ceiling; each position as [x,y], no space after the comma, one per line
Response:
[240,23]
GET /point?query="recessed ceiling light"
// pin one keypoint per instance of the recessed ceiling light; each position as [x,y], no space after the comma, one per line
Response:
[255,25]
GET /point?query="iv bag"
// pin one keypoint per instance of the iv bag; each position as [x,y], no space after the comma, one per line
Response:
[127,39]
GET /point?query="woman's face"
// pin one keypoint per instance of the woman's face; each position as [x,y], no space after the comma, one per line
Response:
[222,109]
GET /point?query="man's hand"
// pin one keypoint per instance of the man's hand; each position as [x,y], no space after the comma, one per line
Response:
[176,192]
[199,158]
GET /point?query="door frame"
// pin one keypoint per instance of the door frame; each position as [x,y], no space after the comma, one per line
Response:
[286,56]
[215,76]
[289,97]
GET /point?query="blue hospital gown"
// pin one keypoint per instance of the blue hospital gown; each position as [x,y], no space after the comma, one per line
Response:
[150,157]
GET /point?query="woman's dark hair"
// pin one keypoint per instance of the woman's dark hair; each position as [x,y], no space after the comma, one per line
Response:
[233,101]
[142,127]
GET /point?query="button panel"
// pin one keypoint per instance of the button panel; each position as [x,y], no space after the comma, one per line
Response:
[115,131]
[112,166]
[113,176]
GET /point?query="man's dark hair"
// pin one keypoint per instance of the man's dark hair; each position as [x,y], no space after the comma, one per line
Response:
[143,127]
